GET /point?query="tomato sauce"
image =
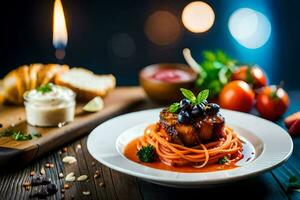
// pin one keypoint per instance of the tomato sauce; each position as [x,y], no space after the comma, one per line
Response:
[171,75]
[131,151]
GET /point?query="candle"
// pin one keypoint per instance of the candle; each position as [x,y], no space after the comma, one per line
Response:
[60,34]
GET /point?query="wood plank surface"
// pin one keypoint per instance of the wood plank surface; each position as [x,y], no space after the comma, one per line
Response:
[13,117]
[114,185]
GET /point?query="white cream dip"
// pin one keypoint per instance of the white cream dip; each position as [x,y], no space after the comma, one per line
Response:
[49,105]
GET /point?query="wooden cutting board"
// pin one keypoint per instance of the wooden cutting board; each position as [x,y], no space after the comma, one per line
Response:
[22,152]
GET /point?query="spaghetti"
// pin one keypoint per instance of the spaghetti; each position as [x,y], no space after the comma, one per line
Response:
[198,156]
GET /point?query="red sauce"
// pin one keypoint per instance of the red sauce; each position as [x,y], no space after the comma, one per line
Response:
[131,150]
[171,75]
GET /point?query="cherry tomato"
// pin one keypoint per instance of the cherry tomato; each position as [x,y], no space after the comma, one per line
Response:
[237,95]
[252,75]
[272,102]
[291,119]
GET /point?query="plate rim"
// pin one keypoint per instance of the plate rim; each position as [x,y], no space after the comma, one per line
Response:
[158,179]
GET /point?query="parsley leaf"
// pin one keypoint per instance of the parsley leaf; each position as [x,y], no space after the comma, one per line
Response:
[189,95]
[147,154]
[202,96]
[45,88]
[223,160]
[18,135]
[294,185]
[174,107]
[293,179]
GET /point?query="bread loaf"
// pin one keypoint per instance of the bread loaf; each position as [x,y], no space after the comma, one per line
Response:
[85,83]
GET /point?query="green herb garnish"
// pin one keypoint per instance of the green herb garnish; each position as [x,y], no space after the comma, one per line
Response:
[189,95]
[223,160]
[174,107]
[294,185]
[18,135]
[215,71]
[45,88]
[203,95]
[192,98]
[147,154]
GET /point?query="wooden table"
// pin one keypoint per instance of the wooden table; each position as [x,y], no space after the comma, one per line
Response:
[114,185]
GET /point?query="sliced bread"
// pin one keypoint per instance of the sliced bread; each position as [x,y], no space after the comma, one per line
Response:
[1,92]
[85,83]
[10,91]
[33,71]
[23,83]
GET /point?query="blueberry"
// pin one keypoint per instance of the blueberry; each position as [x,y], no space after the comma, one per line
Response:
[212,109]
[51,188]
[198,110]
[184,117]
[184,103]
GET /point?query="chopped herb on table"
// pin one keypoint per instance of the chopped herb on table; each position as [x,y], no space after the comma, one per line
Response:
[45,88]
[18,135]
[147,154]
[294,185]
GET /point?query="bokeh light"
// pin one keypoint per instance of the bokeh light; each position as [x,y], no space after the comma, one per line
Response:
[250,28]
[198,17]
[162,28]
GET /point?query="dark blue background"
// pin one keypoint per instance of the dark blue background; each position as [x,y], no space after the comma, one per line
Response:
[27,28]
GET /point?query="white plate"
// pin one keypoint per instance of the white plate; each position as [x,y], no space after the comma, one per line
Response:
[272,146]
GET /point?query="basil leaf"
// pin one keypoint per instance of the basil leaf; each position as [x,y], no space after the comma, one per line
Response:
[174,107]
[202,96]
[189,95]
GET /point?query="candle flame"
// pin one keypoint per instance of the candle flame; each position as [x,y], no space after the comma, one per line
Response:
[60,34]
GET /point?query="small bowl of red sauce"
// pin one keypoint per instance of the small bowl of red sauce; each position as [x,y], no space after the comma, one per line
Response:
[162,82]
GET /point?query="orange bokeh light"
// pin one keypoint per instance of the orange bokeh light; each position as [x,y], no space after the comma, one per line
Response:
[198,17]
[162,28]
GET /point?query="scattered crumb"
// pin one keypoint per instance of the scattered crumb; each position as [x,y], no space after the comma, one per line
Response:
[47,165]
[78,146]
[32,173]
[70,177]
[59,152]
[51,165]
[62,190]
[93,163]
[66,186]
[61,124]
[82,178]
[42,172]
[86,192]
[65,149]
[96,176]
[101,184]
[69,159]
[26,183]
[60,175]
